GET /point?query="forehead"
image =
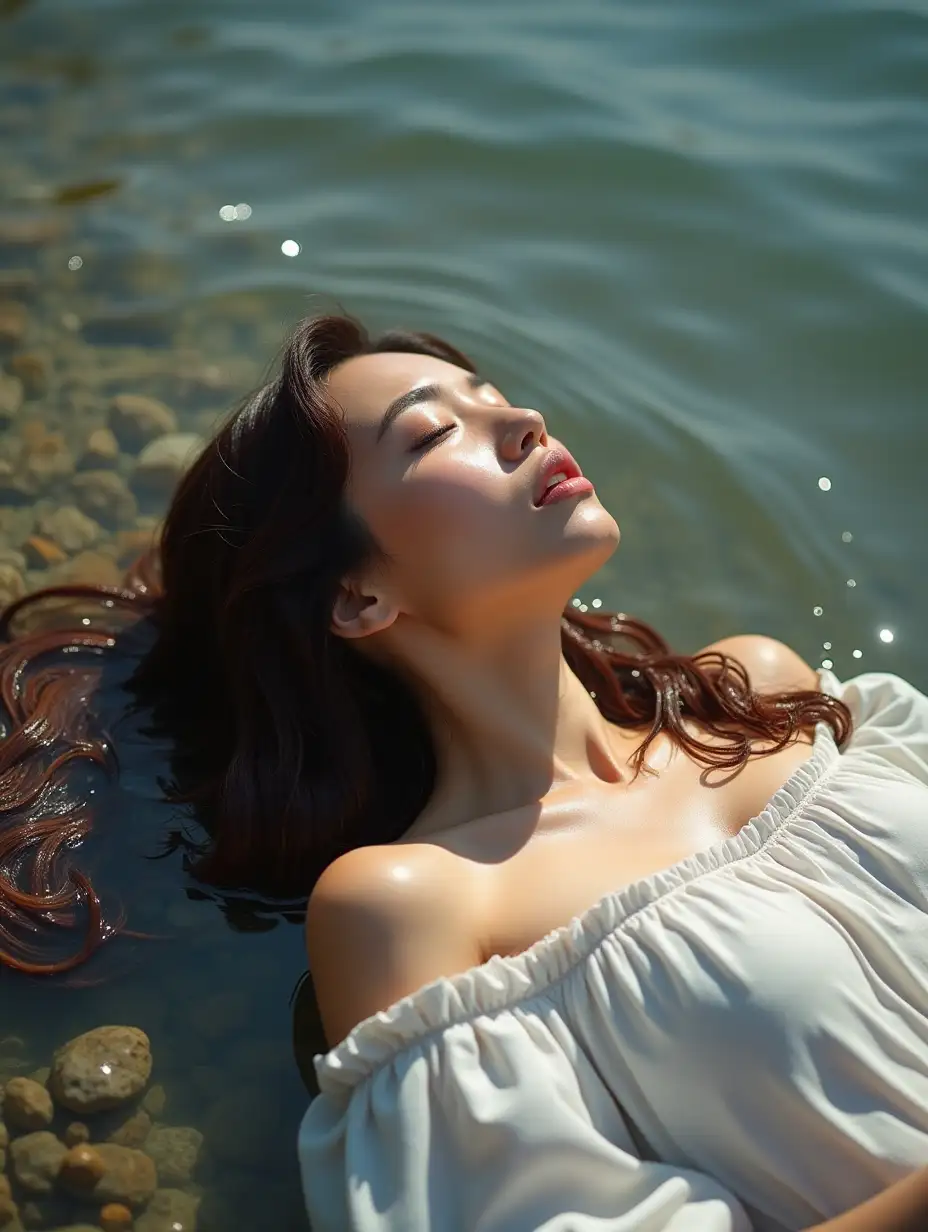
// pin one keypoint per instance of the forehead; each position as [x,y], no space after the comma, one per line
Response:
[365,385]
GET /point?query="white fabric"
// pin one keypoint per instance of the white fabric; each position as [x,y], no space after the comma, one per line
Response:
[759,1010]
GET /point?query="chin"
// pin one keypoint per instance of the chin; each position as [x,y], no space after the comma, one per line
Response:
[593,525]
[588,543]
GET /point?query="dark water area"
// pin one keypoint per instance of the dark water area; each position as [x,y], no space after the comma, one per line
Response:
[692,234]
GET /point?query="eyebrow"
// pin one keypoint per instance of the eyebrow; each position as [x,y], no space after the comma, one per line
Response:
[421,393]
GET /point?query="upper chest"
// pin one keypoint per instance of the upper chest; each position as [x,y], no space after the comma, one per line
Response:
[532,871]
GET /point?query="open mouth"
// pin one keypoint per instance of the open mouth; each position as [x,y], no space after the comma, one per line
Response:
[560,478]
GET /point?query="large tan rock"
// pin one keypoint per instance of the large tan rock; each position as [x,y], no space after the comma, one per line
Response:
[101,1069]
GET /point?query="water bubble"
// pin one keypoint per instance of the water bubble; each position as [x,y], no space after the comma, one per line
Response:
[243,210]
[886,635]
[851,583]
[290,248]
[827,663]
[826,645]
[583,607]
[575,602]
[846,536]
[858,654]
[227,213]
[816,611]
[825,483]
[597,603]
[75,263]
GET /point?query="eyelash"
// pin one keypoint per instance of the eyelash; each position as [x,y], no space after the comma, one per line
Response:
[430,438]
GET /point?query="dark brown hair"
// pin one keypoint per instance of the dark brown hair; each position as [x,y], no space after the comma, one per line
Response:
[290,746]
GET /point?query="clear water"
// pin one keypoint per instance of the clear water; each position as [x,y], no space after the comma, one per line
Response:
[693,235]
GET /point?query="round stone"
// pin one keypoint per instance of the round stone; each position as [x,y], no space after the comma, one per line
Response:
[101,1069]
[81,1167]
[36,1160]
[115,1217]
[26,1105]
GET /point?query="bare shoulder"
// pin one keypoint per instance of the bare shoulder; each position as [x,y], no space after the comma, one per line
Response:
[772,666]
[381,922]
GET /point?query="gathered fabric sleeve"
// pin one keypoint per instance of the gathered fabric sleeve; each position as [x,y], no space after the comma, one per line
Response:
[890,718]
[499,1124]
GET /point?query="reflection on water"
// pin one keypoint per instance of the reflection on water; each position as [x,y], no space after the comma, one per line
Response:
[693,236]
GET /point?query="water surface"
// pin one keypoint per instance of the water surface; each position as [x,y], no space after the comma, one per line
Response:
[692,235]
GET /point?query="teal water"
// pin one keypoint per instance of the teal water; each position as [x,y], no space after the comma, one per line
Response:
[693,235]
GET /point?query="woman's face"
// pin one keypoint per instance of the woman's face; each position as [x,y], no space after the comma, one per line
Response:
[447,475]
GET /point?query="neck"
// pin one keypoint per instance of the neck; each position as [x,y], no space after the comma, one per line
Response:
[509,719]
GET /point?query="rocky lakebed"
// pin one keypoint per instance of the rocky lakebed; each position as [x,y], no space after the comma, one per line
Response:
[87,1141]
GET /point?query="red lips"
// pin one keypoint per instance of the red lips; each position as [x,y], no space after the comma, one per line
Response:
[557,461]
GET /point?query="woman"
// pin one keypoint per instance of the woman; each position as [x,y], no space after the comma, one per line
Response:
[570,975]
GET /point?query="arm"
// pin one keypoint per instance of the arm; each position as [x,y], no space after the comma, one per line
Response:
[903,1207]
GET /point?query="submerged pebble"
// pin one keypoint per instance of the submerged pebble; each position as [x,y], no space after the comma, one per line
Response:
[42,553]
[81,1168]
[11,397]
[12,583]
[31,367]
[71,529]
[104,495]
[161,464]
[170,1210]
[115,1217]
[27,1105]
[133,1131]
[13,322]
[128,1175]
[175,1151]
[135,420]
[100,451]
[76,1133]
[36,1159]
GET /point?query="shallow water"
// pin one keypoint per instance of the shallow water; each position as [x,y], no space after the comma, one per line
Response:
[693,235]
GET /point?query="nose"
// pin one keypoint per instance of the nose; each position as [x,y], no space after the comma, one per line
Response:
[524,429]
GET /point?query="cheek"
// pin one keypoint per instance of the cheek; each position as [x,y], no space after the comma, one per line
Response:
[443,532]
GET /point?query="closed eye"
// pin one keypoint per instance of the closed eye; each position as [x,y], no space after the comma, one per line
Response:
[430,438]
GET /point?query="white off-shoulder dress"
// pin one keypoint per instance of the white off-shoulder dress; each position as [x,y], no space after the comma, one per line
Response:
[737,1042]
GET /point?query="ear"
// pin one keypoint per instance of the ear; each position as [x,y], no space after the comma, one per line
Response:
[360,612]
